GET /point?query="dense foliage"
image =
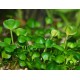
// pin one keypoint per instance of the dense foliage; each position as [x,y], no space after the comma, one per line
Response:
[36,47]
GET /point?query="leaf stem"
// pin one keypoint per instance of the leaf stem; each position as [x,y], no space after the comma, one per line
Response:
[65,19]
[11,36]
[66,41]
[45,49]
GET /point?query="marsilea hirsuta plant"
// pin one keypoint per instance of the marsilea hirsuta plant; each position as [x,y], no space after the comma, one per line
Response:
[33,47]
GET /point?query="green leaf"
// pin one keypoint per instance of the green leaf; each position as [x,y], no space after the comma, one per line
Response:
[22,63]
[37,64]
[45,56]
[11,24]
[63,67]
[31,23]
[77,67]
[10,48]
[59,24]
[55,33]
[48,20]
[5,55]
[7,41]
[43,66]
[71,59]
[22,57]
[71,45]
[39,32]
[52,66]
[20,31]
[58,47]
[48,43]
[78,42]
[35,55]
[77,56]
[60,59]
[28,38]
[29,64]
[22,39]
[71,30]
[38,46]
[37,24]
[40,40]
[2,44]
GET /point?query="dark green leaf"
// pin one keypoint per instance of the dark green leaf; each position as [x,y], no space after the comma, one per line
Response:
[22,39]
[77,68]
[43,66]
[0,29]
[35,55]
[22,63]
[29,64]
[51,66]
[22,56]
[10,48]
[31,23]
[38,65]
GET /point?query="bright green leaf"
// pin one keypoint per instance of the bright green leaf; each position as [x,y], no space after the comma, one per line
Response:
[5,55]
[45,56]
[48,43]
[71,30]
[55,33]
[71,45]
[2,44]
[35,55]
[11,24]
[48,20]
[40,40]
[58,47]
[37,24]
[60,59]
[20,31]
[7,40]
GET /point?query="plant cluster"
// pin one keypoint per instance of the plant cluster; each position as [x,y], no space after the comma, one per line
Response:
[53,48]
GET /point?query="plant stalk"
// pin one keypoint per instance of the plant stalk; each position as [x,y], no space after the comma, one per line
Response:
[66,41]
[65,19]
[11,36]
